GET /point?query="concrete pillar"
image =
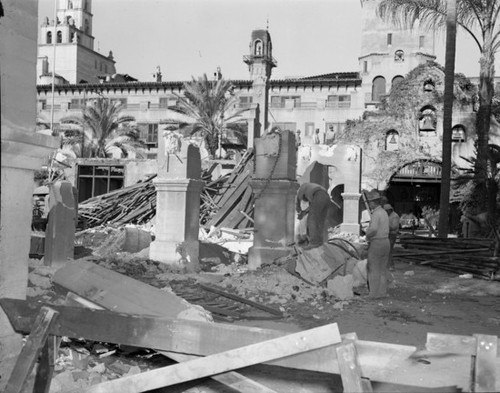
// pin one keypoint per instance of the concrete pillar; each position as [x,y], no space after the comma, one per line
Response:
[350,222]
[274,217]
[253,125]
[178,188]
[23,151]
[177,222]
[275,188]
[60,232]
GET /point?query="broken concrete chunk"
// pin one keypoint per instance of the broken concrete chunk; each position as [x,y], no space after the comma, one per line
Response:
[341,287]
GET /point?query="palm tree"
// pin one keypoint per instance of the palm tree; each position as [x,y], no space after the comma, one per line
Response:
[449,79]
[479,18]
[101,130]
[206,104]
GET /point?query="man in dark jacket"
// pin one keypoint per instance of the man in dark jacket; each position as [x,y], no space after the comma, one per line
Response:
[320,208]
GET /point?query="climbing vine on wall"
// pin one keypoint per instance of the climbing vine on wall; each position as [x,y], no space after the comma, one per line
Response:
[400,111]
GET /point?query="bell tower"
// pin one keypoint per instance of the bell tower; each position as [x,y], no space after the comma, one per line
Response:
[260,64]
[388,52]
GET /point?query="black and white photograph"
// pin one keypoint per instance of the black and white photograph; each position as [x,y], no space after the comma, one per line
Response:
[255,196]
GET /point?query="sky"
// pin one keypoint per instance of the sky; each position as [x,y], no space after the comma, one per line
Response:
[188,38]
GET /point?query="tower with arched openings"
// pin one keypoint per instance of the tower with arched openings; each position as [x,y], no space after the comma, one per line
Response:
[75,57]
[388,52]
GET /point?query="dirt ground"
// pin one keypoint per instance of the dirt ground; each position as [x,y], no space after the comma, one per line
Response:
[421,300]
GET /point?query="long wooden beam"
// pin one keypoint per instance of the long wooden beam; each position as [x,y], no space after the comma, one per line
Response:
[29,354]
[225,361]
[378,361]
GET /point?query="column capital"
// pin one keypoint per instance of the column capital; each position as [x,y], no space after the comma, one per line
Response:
[353,196]
[23,150]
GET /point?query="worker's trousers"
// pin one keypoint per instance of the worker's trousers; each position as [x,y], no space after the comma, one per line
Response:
[392,241]
[378,259]
[316,219]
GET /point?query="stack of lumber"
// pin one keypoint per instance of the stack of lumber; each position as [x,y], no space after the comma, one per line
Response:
[226,201]
[461,256]
[232,205]
[135,204]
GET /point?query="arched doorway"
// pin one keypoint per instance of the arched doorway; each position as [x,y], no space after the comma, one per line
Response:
[414,186]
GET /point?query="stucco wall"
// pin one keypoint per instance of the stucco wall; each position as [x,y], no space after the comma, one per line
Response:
[23,151]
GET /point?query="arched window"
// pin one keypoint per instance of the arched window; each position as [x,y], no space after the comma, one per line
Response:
[392,140]
[396,80]
[458,133]
[258,48]
[72,36]
[399,56]
[49,37]
[87,26]
[427,119]
[378,88]
[59,37]
[70,5]
[429,85]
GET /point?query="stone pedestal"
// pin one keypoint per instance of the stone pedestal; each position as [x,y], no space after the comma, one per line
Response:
[274,217]
[60,232]
[178,189]
[351,213]
[177,222]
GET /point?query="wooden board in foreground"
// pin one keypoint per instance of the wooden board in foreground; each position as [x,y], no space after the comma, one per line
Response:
[225,361]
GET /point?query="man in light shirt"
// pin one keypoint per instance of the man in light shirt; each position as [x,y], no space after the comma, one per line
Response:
[379,247]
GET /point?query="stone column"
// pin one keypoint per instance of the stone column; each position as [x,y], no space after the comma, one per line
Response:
[178,188]
[350,223]
[60,232]
[177,222]
[274,217]
[23,151]
[275,189]
[253,125]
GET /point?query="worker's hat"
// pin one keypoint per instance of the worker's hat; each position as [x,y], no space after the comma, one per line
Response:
[372,195]
[388,207]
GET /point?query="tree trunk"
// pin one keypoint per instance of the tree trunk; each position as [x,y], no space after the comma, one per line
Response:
[449,79]
[483,169]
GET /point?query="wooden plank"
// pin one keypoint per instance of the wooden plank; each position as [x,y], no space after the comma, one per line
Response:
[225,361]
[451,344]
[46,365]
[31,350]
[484,377]
[116,291]
[384,362]
[231,379]
[350,371]
[241,299]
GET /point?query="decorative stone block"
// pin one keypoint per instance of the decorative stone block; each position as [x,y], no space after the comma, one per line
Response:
[274,217]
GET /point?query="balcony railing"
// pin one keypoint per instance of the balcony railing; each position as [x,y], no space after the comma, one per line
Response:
[338,104]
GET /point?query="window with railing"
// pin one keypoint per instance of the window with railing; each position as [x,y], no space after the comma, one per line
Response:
[77,103]
[245,101]
[167,102]
[339,101]
[281,101]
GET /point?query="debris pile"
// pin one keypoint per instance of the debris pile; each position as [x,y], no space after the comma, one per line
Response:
[226,201]
[474,256]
